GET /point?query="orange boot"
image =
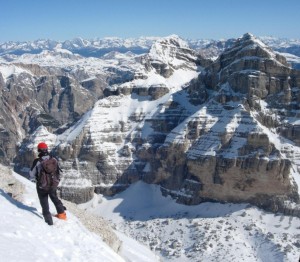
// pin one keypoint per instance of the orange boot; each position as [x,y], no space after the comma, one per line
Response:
[62,216]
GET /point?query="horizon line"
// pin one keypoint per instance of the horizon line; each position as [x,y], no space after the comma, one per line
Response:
[142,36]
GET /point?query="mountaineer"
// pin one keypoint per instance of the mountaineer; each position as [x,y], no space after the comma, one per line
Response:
[46,173]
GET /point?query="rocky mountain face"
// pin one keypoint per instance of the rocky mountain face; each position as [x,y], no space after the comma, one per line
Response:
[227,150]
[38,97]
[204,129]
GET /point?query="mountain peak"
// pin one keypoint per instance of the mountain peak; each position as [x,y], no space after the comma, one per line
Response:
[173,40]
[171,53]
[167,45]
[248,36]
[250,46]
[250,39]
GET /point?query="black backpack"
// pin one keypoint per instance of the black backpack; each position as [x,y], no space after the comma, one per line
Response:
[48,177]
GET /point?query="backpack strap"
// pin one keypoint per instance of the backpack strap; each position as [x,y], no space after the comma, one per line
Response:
[59,169]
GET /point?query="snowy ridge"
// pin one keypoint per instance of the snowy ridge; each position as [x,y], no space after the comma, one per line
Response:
[72,63]
[9,69]
[23,229]
[164,50]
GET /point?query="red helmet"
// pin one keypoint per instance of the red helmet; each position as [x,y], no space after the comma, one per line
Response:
[42,146]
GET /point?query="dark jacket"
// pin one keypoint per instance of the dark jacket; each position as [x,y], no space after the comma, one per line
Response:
[36,165]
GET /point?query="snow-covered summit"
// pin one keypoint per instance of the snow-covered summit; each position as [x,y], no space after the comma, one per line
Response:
[50,57]
[166,50]
[248,37]
[75,43]
[249,42]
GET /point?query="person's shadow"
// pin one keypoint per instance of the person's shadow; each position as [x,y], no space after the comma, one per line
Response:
[18,204]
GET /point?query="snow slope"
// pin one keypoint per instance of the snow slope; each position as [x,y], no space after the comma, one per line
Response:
[24,236]
[205,232]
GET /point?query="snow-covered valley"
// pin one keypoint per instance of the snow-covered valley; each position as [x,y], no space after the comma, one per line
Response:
[205,232]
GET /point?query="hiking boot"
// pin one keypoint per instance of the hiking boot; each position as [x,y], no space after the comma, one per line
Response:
[48,219]
[62,216]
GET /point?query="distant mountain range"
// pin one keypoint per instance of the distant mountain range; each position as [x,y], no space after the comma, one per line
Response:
[87,48]
[99,47]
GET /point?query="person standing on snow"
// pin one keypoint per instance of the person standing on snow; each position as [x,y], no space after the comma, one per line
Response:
[42,192]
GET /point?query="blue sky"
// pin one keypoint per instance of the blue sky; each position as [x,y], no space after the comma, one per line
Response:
[22,20]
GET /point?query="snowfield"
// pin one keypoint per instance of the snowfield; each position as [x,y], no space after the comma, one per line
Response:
[205,232]
[24,236]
